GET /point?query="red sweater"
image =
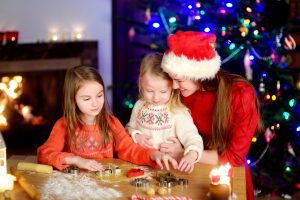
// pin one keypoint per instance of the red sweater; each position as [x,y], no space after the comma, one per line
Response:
[56,148]
[244,119]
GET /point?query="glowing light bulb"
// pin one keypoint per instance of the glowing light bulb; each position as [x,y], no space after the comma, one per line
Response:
[207,29]
[172,19]
[292,102]
[286,115]
[156,25]
[248,9]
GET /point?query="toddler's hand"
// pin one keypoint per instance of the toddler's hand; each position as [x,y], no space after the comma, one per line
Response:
[163,160]
[144,140]
[186,164]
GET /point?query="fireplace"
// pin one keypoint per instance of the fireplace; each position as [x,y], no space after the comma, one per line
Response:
[31,83]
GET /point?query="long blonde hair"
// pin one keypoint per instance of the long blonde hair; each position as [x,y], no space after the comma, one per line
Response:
[151,64]
[74,79]
[222,84]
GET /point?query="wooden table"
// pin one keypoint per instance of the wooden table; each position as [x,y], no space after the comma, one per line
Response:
[197,189]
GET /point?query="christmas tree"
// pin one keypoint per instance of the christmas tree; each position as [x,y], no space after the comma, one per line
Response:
[256,39]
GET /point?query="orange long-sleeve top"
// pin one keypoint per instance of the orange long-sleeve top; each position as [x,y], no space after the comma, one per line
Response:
[87,145]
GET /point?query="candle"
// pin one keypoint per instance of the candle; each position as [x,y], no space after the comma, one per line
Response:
[6,182]
[12,37]
[220,187]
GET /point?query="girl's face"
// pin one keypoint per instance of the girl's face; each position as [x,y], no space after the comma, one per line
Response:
[187,87]
[155,89]
[90,99]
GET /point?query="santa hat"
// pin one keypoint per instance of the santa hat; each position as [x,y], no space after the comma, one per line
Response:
[192,55]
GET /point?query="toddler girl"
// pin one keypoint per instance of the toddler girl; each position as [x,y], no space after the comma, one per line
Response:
[159,114]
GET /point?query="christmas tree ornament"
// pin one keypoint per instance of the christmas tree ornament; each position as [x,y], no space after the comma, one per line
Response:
[131,33]
[247,66]
[268,135]
[147,17]
[262,88]
[190,20]
[298,82]
[289,43]
[277,88]
[244,31]
[291,150]
[279,37]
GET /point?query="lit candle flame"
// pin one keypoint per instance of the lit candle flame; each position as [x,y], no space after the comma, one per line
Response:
[220,175]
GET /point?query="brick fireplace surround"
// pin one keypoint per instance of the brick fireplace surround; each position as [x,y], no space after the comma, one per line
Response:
[43,67]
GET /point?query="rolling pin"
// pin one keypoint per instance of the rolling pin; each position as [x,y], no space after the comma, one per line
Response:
[35,167]
[27,187]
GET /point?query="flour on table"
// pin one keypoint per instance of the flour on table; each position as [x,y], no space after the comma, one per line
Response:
[82,186]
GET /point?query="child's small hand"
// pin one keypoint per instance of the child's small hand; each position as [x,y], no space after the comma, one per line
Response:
[144,140]
[84,163]
[186,164]
[163,160]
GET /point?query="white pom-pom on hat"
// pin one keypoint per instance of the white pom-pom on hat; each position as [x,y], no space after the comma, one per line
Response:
[192,55]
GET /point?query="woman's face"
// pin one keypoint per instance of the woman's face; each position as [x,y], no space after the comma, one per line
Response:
[187,87]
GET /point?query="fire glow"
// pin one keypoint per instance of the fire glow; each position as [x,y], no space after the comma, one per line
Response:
[10,90]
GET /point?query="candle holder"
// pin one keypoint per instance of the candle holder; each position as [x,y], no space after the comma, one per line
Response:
[11,37]
[220,191]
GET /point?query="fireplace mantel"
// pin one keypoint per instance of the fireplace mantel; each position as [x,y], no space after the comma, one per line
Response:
[85,51]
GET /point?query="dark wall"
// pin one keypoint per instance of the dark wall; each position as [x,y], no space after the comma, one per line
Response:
[127,53]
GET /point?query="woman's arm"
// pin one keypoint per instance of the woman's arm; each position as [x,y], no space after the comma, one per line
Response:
[210,157]
[172,148]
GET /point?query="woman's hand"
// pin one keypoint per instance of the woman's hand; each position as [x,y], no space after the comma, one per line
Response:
[163,160]
[144,140]
[84,163]
[186,164]
[173,149]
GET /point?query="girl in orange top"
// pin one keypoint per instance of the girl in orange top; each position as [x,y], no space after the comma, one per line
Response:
[87,130]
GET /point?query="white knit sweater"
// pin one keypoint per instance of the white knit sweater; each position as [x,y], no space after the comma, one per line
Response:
[161,123]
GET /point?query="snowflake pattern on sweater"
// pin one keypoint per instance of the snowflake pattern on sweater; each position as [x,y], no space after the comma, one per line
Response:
[154,119]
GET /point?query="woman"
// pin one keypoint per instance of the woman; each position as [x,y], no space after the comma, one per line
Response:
[224,106]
